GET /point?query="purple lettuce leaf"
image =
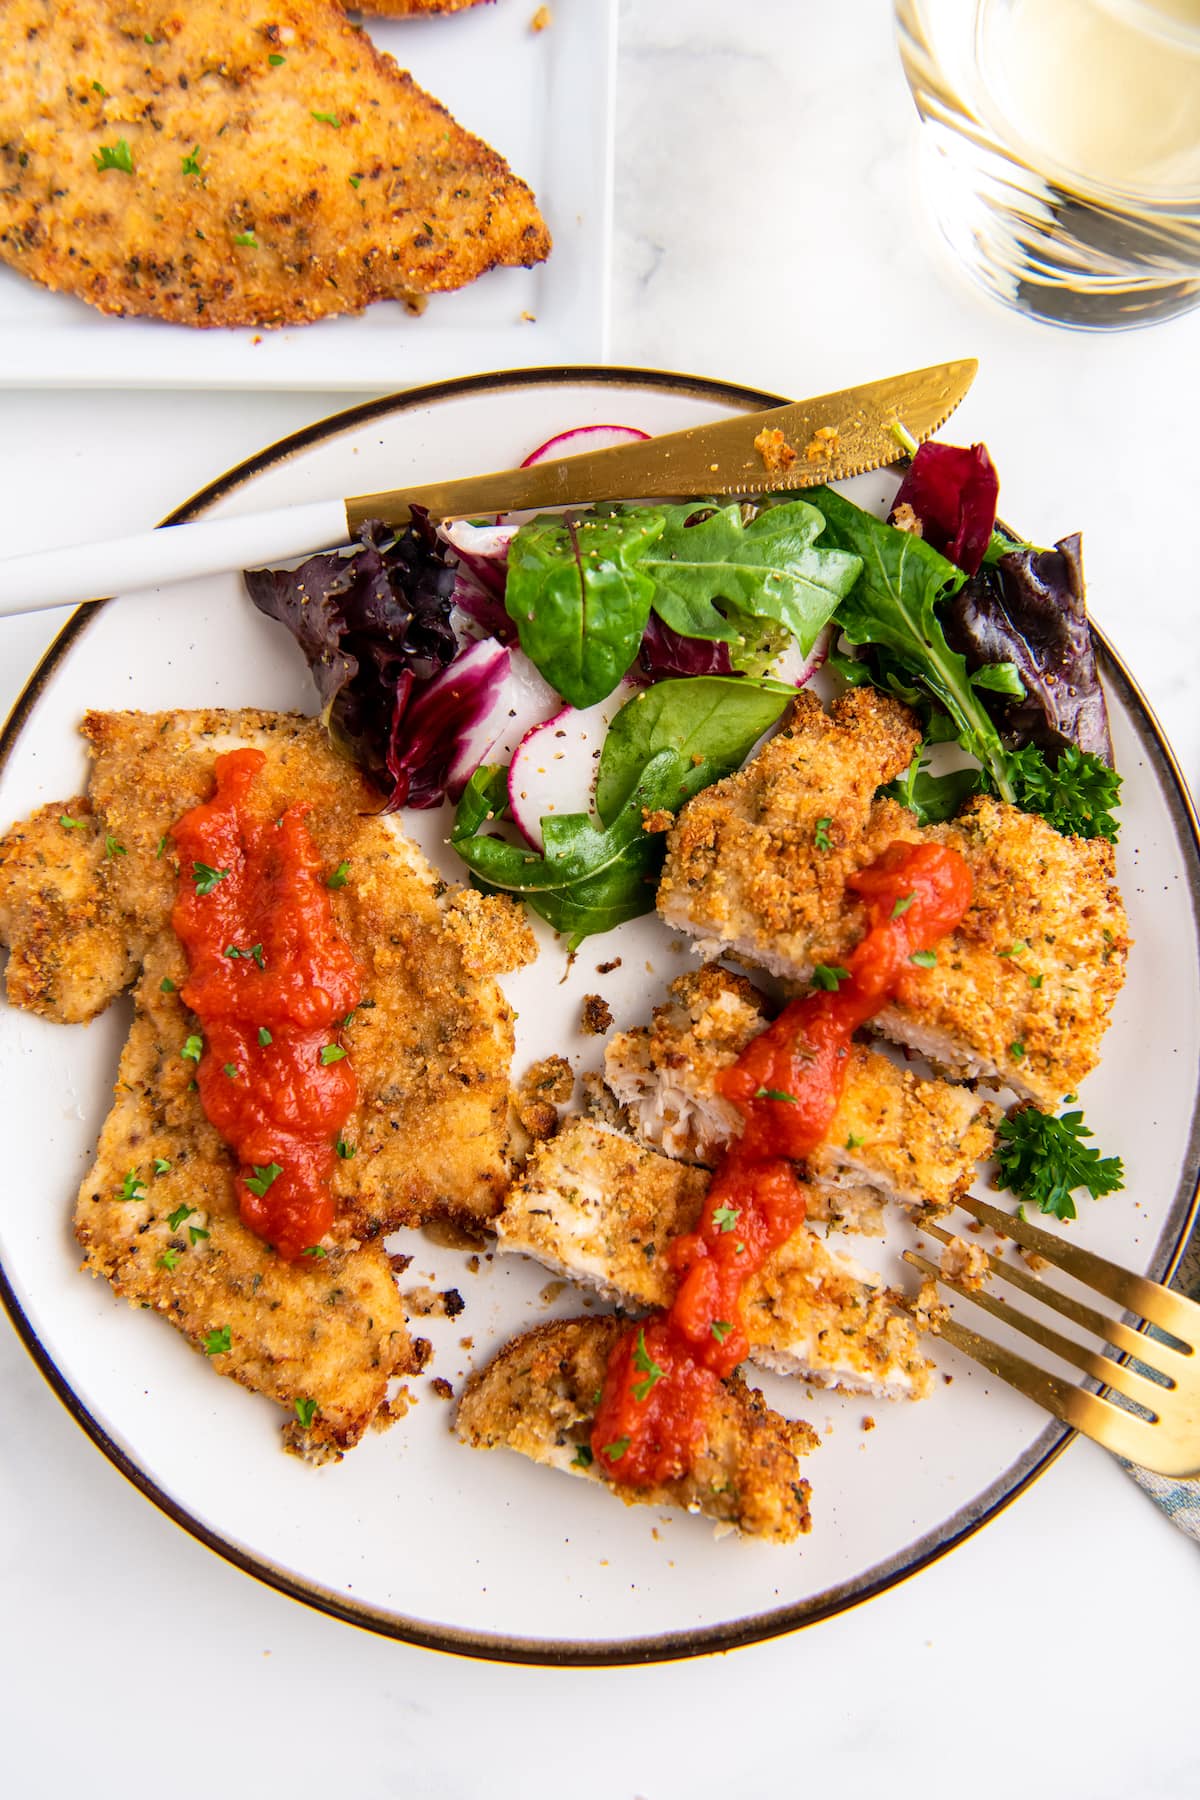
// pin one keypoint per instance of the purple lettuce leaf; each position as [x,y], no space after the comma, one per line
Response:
[373,625]
[953,492]
[665,651]
[1029,609]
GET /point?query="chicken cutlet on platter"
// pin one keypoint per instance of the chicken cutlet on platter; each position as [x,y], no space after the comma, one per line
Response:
[587,1215]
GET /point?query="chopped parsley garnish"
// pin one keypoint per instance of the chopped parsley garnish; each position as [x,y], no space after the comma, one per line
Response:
[306,1411]
[356,182]
[345,1150]
[112,848]
[196,1233]
[161,1166]
[253,954]
[71,824]
[583,1458]
[216,1343]
[191,164]
[1017,949]
[315,1250]
[1035,981]
[828,976]
[275,59]
[331,1053]
[168,1259]
[102,91]
[338,878]
[230,1069]
[924,959]
[1016,1050]
[114,156]
[616,1450]
[854,1142]
[175,1219]
[166,985]
[246,240]
[132,1188]
[821,837]
[646,1365]
[193,1050]
[721,1329]
[726,1217]
[902,905]
[765,1093]
[205,878]
[1045,1160]
[161,846]
[260,1181]
[147,37]
[328,119]
[264,1036]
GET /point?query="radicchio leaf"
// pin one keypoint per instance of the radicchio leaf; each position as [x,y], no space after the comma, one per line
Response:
[953,492]
[1029,609]
[666,652]
[373,625]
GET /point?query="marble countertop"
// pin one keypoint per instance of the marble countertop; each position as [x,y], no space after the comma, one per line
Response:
[769,231]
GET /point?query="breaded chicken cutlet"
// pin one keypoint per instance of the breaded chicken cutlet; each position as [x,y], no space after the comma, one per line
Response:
[892,1137]
[1021,992]
[213,166]
[431,1045]
[593,1205]
[538,1396]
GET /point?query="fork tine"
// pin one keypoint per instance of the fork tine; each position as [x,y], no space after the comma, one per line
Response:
[1171,1312]
[1121,1376]
[1174,1364]
[1119,1431]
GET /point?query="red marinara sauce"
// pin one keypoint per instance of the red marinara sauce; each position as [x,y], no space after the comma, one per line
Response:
[270,981]
[786,1085]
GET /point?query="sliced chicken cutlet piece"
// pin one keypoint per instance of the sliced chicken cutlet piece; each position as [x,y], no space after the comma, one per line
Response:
[69,952]
[1021,993]
[217,166]
[539,1397]
[157,1215]
[893,1136]
[600,1209]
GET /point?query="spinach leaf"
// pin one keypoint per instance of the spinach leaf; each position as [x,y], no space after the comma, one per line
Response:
[770,568]
[589,878]
[893,604]
[578,601]
[712,721]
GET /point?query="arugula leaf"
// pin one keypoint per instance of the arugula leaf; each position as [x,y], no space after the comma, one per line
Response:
[933,798]
[769,568]
[1076,796]
[1044,1159]
[893,604]
[712,721]
[590,878]
[579,603]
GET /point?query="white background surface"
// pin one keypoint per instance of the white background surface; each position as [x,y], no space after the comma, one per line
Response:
[767,231]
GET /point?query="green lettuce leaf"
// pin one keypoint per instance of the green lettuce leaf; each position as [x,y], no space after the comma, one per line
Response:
[712,721]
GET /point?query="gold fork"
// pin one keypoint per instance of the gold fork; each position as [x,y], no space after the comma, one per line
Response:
[1163,1434]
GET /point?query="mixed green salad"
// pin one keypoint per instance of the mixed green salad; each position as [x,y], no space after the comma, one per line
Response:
[470,662]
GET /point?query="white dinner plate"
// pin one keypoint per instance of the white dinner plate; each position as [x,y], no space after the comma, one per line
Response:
[412,1534]
[543,99]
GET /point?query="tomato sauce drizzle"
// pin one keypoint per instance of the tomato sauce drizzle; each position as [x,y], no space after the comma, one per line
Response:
[270,981]
[786,1084]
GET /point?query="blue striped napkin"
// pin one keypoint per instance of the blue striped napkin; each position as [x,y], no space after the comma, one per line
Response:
[1177,1497]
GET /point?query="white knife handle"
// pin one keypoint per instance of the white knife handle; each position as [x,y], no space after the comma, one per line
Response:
[171,553]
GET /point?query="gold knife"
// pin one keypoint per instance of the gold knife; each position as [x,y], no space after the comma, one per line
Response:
[785,447]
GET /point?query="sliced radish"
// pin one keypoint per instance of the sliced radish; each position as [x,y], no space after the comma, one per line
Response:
[554,767]
[584,437]
[520,700]
[794,667]
[478,543]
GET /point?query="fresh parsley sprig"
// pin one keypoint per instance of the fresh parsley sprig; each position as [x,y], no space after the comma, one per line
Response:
[1044,1159]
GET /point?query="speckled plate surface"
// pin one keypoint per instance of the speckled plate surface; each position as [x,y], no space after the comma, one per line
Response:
[413,1535]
